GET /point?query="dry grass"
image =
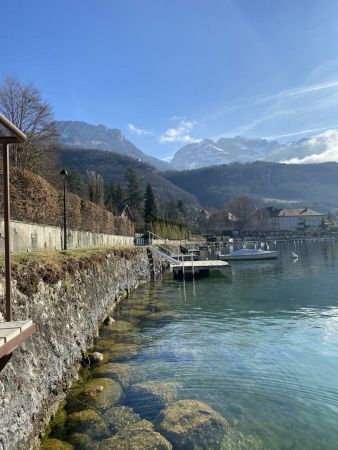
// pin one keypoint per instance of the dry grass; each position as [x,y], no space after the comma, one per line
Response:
[28,269]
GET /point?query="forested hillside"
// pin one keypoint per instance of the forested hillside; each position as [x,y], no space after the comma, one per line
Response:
[314,185]
[113,167]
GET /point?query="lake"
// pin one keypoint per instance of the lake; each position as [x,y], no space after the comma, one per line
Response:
[259,344]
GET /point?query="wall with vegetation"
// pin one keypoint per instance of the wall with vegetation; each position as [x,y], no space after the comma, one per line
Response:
[67,297]
[34,200]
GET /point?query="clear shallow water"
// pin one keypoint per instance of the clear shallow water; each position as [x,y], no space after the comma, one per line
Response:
[259,344]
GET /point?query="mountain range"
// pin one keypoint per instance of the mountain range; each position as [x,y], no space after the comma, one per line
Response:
[206,152]
[272,183]
[319,148]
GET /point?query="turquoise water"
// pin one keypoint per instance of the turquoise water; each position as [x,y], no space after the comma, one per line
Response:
[259,344]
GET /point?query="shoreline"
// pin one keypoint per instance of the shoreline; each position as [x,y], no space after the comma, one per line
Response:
[68,295]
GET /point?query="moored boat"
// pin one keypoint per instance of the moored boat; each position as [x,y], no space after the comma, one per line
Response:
[248,254]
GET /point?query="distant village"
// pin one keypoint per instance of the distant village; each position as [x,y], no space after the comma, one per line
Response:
[269,220]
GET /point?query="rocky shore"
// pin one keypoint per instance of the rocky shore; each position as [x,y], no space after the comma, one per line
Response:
[68,296]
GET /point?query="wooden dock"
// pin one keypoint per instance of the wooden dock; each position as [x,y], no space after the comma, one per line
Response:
[197,268]
[12,334]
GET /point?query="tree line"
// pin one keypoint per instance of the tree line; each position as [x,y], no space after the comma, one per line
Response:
[114,197]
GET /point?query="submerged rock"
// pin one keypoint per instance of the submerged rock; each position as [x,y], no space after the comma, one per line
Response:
[55,444]
[190,424]
[120,417]
[235,440]
[158,306]
[99,393]
[149,398]
[96,357]
[137,315]
[118,352]
[87,422]
[140,436]
[57,424]
[120,326]
[159,319]
[118,372]
[81,441]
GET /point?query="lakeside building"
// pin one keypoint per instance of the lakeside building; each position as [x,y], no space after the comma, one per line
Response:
[292,219]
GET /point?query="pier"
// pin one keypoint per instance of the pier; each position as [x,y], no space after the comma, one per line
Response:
[197,268]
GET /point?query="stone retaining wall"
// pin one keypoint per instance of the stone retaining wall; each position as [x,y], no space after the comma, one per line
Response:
[33,237]
[67,303]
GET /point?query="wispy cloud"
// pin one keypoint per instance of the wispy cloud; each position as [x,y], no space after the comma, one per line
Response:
[308,89]
[301,107]
[280,95]
[180,134]
[139,131]
[298,133]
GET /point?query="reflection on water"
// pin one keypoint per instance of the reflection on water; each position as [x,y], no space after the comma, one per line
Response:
[258,344]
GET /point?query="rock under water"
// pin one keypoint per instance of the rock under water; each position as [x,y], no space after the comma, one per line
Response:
[190,424]
[140,436]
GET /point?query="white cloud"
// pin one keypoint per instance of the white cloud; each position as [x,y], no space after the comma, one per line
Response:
[139,131]
[180,134]
[317,149]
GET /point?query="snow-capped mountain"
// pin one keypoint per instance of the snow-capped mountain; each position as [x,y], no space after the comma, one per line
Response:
[319,148]
[224,151]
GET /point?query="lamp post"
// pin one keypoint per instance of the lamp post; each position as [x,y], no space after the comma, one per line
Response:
[64,174]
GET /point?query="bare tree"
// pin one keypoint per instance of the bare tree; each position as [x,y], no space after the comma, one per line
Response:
[23,105]
[244,212]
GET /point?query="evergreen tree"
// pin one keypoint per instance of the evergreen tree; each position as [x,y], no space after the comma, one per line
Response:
[116,198]
[150,208]
[75,183]
[134,195]
[95,188]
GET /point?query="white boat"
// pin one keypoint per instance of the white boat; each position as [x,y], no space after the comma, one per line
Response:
[248,254]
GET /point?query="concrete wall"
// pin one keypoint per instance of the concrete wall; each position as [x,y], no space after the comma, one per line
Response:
[67,311]
[32,237]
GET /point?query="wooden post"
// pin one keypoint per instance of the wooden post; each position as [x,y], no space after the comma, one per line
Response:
[7,218]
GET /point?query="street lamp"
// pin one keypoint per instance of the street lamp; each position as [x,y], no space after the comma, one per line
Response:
[64,174]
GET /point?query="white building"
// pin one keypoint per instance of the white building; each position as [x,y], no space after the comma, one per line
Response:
[293,219]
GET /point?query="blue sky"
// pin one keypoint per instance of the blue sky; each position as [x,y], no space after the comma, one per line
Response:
[168,72]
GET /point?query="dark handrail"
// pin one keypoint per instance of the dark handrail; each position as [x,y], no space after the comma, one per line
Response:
[18,134]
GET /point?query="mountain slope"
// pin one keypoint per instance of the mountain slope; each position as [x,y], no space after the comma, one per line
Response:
[113,166]
[86,136]
[313,185]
